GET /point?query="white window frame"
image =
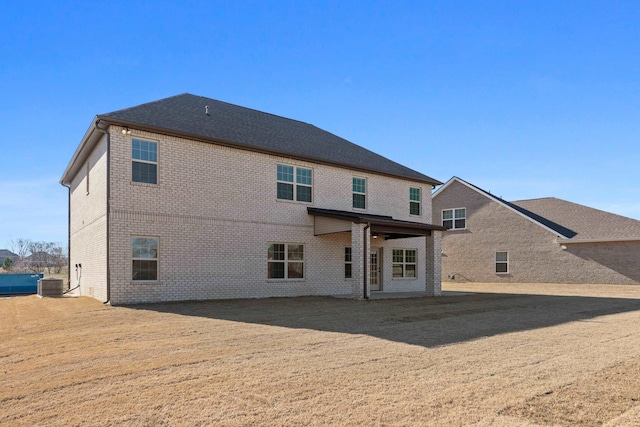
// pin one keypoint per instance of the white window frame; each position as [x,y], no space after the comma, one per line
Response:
[295,183]
[417,202]
[404,263]
[354,192]
[286,261]
[348,261]
[156,259]
[505,262]
[143,161]
[455,218]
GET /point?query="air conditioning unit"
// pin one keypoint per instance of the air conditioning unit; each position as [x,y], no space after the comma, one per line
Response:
[50,287]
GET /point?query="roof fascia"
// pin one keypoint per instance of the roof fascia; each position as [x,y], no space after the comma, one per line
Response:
[446,184]
[362,219]
[579,241]
[248,147]
[87,143]
[499,201]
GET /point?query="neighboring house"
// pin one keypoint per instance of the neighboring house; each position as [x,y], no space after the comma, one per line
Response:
[544,240]
[190,198]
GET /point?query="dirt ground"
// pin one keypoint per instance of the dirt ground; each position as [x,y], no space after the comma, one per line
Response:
[486,355]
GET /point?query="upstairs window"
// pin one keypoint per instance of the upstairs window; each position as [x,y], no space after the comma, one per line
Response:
[144,156]
[454,219]
[404,263]
[414,201]
[294,183]
[359,187]
[502,262]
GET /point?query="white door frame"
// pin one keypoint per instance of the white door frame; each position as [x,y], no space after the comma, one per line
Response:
[375,268]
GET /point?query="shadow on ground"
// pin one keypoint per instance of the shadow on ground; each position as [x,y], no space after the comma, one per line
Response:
[427,322]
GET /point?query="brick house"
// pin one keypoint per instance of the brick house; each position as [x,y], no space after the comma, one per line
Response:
[189,198]
[544,240]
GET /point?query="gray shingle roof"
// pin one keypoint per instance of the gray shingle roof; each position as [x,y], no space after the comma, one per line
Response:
[588,223]
[251,129]
[553,225]
[570,220]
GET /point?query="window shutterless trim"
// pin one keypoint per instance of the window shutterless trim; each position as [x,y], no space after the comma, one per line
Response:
[282,255]
[502,262]
[146,168]
[294,183]
[359,192]
[348,263]
[415,201]
[454,218]
[142,259]
[403,263]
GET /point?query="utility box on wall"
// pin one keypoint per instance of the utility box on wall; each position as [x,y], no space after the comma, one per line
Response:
[50,287]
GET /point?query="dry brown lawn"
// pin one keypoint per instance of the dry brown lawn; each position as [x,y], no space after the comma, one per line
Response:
[503,355]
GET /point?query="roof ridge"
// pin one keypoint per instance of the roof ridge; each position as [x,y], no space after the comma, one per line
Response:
[144,104]
[253,109]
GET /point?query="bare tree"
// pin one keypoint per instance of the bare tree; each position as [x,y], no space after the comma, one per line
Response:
[59,257]
[39,256]
[40,259]
[22,248]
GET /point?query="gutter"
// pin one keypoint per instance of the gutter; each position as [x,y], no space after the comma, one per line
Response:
[68,232]
[106,132]
[366,261]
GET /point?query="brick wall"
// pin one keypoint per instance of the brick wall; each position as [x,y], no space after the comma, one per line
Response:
[214,212]
[88,224]
[534,255]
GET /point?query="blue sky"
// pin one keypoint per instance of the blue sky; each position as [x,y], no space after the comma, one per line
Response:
[525,99]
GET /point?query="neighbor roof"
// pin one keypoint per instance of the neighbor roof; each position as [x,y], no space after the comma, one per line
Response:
[572,222]
[223,123]
[544,222]
[588,223]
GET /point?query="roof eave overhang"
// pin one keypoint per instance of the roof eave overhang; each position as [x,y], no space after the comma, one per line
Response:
[242,146]
[601,240]
[379,225]
[87,143]
[497,200]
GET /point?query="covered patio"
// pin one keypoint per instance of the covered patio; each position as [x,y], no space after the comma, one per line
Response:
[363,228]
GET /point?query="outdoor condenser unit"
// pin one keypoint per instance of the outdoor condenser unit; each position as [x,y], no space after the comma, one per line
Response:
[50,287]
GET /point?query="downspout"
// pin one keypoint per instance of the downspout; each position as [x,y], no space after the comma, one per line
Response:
[108,135]
[68,234]
[366,261]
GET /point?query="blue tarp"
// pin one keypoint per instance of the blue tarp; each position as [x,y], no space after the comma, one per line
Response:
[14,284]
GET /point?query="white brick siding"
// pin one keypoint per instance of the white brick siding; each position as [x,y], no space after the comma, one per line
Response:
[88,225]
[214,212]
